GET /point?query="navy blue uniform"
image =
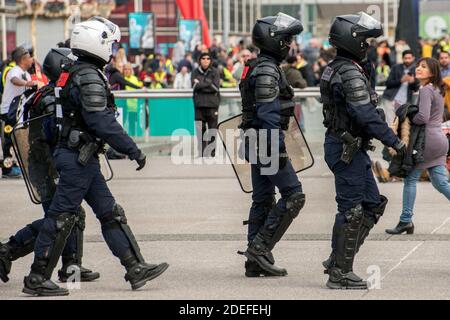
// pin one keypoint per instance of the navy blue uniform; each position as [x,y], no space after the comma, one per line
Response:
[286,180]
[354,112]
[267,107]
[78,182]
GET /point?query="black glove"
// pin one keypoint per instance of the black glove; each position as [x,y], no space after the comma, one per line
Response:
[141,161]
[382,114]
[400,148]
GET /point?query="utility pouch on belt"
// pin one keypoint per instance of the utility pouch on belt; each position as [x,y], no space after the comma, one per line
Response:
[351,146]
[84,143]
[86,152]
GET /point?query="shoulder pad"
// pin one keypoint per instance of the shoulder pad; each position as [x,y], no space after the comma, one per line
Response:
[266,88]
[268,69]
[355,85]
[266,76]
[92,90]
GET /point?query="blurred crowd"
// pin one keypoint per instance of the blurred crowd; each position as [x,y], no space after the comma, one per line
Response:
[158,71]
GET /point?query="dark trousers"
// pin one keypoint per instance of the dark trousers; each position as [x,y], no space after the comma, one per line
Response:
[7,141]
[78,183]
[28,234]
[354,182]
[285,180]
[208,117]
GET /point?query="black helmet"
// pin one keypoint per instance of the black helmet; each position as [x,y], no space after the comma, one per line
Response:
[274,34]
[350,33]
[53,61]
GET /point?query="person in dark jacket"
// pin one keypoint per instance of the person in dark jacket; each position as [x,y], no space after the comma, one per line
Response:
[206,83]
[186,62]
[293,76]
[117,80]
[306,70]
[431,108]
[295,79]
[400,85]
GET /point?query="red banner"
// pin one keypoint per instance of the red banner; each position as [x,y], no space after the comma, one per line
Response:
[193,9]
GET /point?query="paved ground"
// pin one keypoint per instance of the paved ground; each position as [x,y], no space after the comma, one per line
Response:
[191,216]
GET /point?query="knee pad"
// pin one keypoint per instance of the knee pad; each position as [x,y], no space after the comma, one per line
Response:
[115,218]
[295,203]
[81,222]
[378,211]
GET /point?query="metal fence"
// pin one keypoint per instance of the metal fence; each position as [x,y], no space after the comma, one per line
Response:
[310,92]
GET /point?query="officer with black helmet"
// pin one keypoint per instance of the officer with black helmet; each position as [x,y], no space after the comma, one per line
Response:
[85,119]
[267,105]
[352,120]
[22,243]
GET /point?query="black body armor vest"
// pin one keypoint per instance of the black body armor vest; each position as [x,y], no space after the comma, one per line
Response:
[336,118]
[286,92]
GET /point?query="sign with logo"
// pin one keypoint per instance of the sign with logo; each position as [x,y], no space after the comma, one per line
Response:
[434,25]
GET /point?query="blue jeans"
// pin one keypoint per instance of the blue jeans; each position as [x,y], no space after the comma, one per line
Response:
[438,177]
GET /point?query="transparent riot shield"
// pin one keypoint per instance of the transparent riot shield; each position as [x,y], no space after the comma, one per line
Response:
[35,159]
[233,141]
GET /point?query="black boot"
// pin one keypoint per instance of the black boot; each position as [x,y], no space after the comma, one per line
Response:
[253,270]
[86,275]
[329,263]
[401,227]
[339,266]
[71,265]
[36,284]
[259,253]
[5,261]
[139,273]
[340,280]
[337,279]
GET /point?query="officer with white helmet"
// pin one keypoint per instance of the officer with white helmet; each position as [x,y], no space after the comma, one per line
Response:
[85,121]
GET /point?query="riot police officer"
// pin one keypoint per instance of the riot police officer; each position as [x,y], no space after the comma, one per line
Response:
[85,120]
[22,243]
[267,103]
[352,120]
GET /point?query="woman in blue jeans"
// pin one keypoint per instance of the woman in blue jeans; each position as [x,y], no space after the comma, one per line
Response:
[431,110]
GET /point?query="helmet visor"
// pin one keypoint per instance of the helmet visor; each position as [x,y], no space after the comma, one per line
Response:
[112,27]
[287,25]
[372,27]
[284,21]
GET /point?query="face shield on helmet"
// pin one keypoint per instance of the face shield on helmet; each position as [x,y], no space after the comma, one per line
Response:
[367,27]
[287,25]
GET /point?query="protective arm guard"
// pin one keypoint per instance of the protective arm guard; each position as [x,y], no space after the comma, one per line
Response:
[360,108]
[267,102]
[93,94]
[266,84]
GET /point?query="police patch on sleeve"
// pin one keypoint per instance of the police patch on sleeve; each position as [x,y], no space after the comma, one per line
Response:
[327,73]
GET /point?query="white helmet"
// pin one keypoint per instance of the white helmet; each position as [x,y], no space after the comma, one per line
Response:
[94,38]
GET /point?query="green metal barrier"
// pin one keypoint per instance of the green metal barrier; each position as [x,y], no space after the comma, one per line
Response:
[132,116]
[166,116]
